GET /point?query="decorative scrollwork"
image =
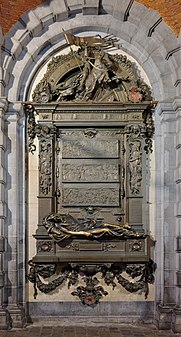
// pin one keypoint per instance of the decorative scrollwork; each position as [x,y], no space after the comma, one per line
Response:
[149,125]
[36,129]
[91,293]
[146,271]
[44,246]
[90,133]
[109,276]
[145,130]
[136,246]
[43,131]
[135,270]
[31,126]
[134,131]
[44,271]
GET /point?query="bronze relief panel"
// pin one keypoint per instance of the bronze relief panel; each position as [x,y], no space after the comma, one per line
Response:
[89,167]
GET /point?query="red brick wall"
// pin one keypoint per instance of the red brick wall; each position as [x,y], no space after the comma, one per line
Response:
[170,10]
[11,10]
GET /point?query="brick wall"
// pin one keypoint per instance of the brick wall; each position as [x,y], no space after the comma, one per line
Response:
[170,10]
[11,10]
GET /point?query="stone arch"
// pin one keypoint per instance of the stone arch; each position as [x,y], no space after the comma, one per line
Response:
[162,7]
[24,48]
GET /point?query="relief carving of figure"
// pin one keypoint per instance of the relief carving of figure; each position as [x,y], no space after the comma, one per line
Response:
[91,74]
[45,167]
[95,74]
[61,227]
[135,167]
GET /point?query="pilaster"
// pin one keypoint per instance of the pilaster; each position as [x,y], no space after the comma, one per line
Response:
[167,180]
[2,84]
[176,325]
[15,226]
[4,315]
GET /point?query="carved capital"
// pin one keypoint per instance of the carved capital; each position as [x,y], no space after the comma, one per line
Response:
[35,129]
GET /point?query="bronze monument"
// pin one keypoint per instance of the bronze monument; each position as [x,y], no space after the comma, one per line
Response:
[95,131]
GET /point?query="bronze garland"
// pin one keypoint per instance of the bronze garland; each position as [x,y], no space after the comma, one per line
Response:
[91,293]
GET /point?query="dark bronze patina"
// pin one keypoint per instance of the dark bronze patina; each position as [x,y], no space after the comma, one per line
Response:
[95,130]
[61,227]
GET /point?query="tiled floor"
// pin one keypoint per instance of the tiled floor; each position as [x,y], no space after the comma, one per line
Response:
[120,330]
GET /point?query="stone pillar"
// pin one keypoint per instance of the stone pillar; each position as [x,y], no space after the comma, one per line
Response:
[165,219]
[2,84]
[4,316]
[176,325]
[15,225]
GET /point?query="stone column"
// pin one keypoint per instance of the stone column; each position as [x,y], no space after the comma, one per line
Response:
[15,224]
[2,84]
[4,316]
[176,325]
[165,219]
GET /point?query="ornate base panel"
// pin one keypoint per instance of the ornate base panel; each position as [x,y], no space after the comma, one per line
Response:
[92,292]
